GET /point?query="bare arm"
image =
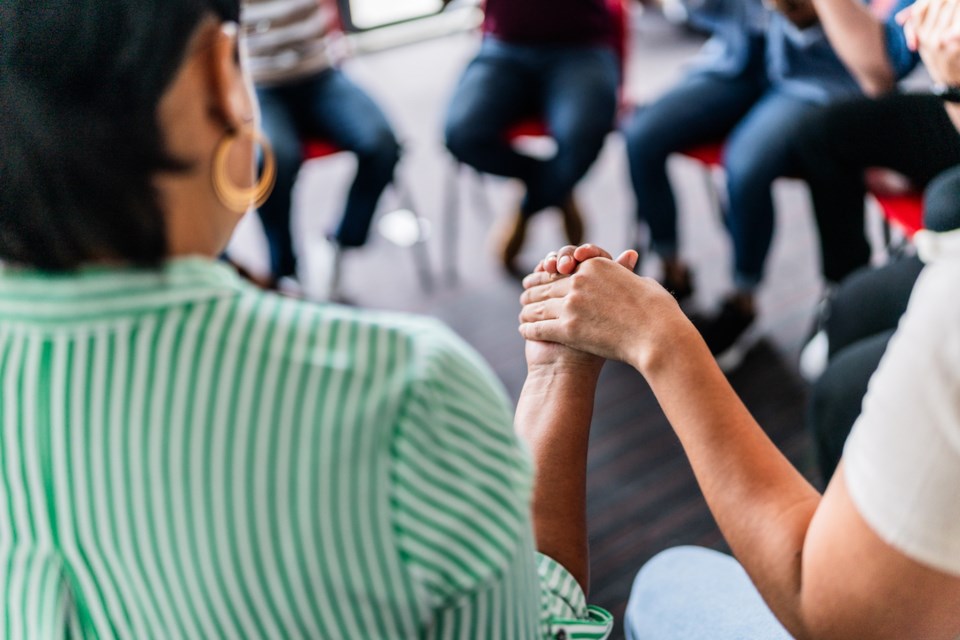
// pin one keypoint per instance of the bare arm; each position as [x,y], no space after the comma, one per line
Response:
[553,418]
[859,40]
[820,568]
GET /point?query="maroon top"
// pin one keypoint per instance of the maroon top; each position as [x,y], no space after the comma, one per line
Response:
[566,22]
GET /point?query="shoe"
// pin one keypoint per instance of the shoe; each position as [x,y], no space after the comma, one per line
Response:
[727,333]
[572,221]
[511,243]
[680,286]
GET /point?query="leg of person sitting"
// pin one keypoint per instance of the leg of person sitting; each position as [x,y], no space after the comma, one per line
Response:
[701,109]
[279,126]
[868,302]
[688,593]
[579,104]
[837,397]
[908,133]
[342,112]
[757,153]
[497,89]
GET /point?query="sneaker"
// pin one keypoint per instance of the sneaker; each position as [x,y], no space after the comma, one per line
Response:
[678,283]
[572,221]
[727,333]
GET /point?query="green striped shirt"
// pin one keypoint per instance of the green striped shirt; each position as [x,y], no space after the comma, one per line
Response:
[183,456]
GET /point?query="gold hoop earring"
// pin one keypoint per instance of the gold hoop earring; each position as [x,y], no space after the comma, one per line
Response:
[240,199]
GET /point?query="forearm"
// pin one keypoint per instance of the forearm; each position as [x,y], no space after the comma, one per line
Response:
[761,503]
[859,40]
[553,418]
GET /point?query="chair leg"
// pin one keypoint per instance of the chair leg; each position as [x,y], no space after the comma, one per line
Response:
[334,293]
[420,247]
[451,227]
[481,197]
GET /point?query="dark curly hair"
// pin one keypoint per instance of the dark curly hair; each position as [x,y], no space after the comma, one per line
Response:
[80,141]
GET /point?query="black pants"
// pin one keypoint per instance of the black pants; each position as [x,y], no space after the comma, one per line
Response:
[863,313]
[908,133]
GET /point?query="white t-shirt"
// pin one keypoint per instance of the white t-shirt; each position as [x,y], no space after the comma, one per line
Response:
[902,460]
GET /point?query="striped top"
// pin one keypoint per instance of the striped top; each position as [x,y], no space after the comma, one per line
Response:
[183,456]
[287,40]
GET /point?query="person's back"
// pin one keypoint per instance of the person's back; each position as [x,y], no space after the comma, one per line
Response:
[187,457]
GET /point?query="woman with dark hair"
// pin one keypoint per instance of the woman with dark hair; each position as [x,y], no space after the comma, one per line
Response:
[183,455]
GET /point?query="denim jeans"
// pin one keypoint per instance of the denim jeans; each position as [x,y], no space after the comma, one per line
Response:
[329,106]
[573,88]
[755,119]
[691,593]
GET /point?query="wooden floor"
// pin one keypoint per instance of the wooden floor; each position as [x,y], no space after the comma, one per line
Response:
[642,494]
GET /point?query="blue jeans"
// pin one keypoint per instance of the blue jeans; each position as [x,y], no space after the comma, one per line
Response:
[329,106]
[573,88]
[691,593]
[755,120]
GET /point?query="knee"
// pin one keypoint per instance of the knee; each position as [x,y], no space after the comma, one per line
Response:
[749,170]
[288,159]
[462,136]
[380,147]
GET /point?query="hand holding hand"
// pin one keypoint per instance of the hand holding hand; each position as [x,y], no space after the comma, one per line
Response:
[602,308]
[558,265]
[932,27]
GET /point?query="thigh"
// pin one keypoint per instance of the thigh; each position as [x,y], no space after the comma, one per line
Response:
[690,592]
[910,133]
[870,301]
[278,123]
[338,110]
[496,89]
[702,108]
[579,92]
[761,145]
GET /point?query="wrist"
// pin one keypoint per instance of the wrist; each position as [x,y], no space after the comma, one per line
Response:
[677,342]
[577,374]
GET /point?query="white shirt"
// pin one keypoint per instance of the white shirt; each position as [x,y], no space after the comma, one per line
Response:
[902,460]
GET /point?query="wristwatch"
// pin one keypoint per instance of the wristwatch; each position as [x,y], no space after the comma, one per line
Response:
[948,92]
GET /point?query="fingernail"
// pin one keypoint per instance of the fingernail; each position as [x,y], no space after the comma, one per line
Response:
[563,261]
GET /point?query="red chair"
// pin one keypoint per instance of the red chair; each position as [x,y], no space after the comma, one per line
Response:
[900,204]
[402,226]
[533,127]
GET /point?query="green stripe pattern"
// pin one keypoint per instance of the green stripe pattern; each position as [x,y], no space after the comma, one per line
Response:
[182,456]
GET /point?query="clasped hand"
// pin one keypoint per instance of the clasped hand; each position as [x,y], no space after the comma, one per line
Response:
[581,298]
[932,27]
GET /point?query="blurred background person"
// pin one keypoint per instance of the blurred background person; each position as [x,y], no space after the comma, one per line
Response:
[762,73]
[303,95]
[549,58]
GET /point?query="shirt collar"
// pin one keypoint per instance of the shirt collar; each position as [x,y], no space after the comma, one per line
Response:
[100,292]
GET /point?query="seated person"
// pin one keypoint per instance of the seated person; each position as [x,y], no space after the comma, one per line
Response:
[909,133]
[187,456]
[549,58]
[861,316]
[303,95]
[767,69]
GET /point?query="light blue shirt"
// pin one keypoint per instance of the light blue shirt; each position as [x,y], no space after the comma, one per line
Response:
[798,61]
